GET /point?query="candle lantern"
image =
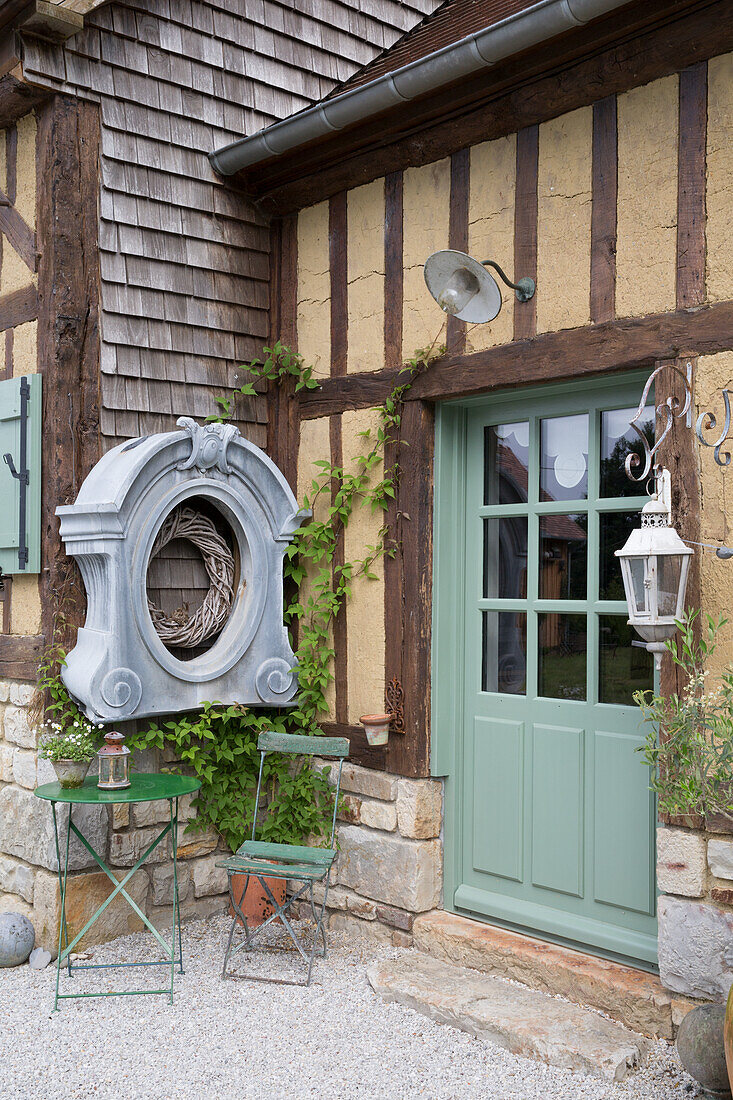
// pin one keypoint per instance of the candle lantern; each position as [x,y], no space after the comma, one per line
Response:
[654,566]
[114,762]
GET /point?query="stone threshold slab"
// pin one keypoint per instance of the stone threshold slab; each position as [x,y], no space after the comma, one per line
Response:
[635,998]
[523,1021]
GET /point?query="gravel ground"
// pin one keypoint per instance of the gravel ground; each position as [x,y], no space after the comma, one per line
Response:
[241,1039]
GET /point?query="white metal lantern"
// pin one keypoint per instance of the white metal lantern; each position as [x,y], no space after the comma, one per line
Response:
[654,565]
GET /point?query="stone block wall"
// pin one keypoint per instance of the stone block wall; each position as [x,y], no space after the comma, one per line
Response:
[121,833]
[695,875]
[389,866]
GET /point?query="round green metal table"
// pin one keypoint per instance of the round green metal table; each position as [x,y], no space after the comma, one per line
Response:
[145,787]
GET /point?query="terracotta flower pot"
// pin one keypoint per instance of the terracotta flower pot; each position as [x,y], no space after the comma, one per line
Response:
[71,773]
[256,906]
[376,727]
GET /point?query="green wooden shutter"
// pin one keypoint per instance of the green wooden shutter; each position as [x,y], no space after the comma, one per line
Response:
[11,488]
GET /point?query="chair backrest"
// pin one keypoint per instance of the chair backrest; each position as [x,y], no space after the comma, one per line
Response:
[302,746]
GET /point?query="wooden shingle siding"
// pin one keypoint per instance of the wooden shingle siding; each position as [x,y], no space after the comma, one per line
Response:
[185,261]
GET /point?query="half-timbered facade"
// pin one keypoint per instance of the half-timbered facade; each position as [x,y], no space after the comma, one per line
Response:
[596,161]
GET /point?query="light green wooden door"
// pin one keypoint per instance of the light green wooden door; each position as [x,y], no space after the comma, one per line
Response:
[548,805]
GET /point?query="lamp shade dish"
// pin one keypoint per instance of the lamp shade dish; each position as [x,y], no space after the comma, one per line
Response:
[462,286]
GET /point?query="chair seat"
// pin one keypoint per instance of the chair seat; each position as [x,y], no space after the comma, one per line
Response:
[258,857]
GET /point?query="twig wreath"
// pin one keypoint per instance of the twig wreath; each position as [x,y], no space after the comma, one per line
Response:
[181,629]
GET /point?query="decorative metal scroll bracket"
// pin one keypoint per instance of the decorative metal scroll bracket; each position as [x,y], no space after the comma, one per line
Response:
[394,697]
[706,422]
[667,411]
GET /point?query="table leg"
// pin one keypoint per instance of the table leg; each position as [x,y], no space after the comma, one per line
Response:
[63,934]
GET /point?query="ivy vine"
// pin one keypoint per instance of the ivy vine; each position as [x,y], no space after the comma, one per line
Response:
[219,743]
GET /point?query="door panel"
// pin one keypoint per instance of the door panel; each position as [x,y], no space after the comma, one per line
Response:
[558,795]
[549,819]
[497,798]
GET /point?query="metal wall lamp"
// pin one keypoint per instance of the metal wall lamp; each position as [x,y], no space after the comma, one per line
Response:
[655,561]
[464,289]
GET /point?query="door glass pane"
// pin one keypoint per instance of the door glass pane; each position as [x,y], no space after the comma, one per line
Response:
[504,663]
[564,471]
[563,557]
[617,441]
[615,528]
[506,462]
[562,656]
[624,666]
[505,558]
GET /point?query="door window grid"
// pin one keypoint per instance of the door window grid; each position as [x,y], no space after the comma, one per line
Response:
[529,609]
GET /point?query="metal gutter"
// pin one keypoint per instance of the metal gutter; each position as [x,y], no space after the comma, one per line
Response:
[477,51]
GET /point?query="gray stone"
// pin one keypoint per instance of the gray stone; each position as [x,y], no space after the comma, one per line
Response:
[701,1049]
[720,858]
[695,948]
[125,849]
[419,807]
[528,1023]
[17,937]
[681,865]
[5,686]
[26,830]
[360,930]
[207,877]
[22,694]
[17,878]
[24,768]
[364,781]
[17,728]
[39,958]
[379,815]
[162,879]
[6,762]
[390,868]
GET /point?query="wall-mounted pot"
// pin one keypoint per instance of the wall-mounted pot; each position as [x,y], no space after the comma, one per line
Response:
[376,727]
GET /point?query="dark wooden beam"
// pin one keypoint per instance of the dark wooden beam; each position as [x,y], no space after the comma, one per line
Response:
[644,41]
[19,656]
[409,753]
[67,170]
[393,270]
[551,356]
[20,235]
[361,752]
[283,421]
[18,98]
[693,118]
[460,183]
[525,228]
[603,215]
[18,307]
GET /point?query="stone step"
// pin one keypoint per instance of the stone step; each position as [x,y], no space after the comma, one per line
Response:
[635,998]
[521,1020]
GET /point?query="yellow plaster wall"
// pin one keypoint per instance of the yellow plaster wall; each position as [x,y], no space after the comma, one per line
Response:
[315,445]
[25,199]
[365,236]
[365,611]
[426,205]
[25,349]
[564,193]
[646,256]
[314,289]
[491,229]
[720,178]
[25,605]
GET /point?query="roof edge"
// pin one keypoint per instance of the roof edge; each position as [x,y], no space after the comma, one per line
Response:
[480,50]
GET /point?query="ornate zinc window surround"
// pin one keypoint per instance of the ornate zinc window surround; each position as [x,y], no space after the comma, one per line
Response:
[120,668]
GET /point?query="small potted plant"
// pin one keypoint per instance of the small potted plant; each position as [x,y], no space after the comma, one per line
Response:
[70,749]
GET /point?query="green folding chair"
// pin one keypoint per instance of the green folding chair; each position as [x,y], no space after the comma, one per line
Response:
[289,861]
